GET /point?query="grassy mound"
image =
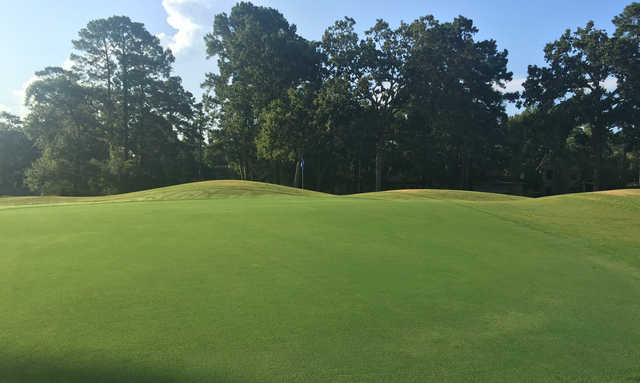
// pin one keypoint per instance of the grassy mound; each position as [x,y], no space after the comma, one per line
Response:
[438,194]
[205,289]
[189,191]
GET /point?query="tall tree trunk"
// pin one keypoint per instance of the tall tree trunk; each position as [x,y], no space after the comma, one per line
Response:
[425,163]
[359,175]
[296,176]
[378,168]
[467,172]
[596,136]
[124,65]
[359,188]
[461,166]
[622,165]
[355,169]
[125,125]
[200,155]
[274,172]
[320,172]
[281,180]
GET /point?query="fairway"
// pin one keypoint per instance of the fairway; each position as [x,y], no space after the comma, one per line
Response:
[228,281]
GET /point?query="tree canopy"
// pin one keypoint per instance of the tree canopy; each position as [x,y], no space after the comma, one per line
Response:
[418,105]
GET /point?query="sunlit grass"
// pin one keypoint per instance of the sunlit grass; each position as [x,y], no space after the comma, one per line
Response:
[182,285]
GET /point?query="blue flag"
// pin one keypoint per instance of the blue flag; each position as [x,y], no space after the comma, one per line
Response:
[302,164]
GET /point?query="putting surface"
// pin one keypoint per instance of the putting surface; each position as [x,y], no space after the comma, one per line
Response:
[282,287]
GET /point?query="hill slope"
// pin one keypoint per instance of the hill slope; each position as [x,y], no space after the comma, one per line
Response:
[189,191]
[282,288]
[438,194]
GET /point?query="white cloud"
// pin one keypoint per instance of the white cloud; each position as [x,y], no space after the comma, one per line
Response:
[164,39]
[67,64]
[20,94]
[181,17]
[22,91]
[610,83]
[515,85]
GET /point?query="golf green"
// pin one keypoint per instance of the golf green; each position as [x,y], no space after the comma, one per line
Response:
[247,282]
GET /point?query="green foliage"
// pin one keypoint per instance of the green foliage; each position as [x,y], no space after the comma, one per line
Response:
[421,104]
[16,155]
[367,101]
[117,121]
[455,115]
[579,64]
[63,126]
[286,126]
[260,56]
[627,68]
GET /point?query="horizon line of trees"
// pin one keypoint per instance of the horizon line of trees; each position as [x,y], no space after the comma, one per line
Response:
[421,105]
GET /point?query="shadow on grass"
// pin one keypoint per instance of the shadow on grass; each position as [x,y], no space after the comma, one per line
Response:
[49,371]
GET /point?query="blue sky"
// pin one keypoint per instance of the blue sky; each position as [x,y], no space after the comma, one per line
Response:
[38,33]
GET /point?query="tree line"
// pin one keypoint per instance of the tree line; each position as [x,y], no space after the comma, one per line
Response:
[420,105]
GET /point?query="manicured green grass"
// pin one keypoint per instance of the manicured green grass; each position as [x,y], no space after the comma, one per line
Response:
[184,285]
[192,191]
[438,194]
